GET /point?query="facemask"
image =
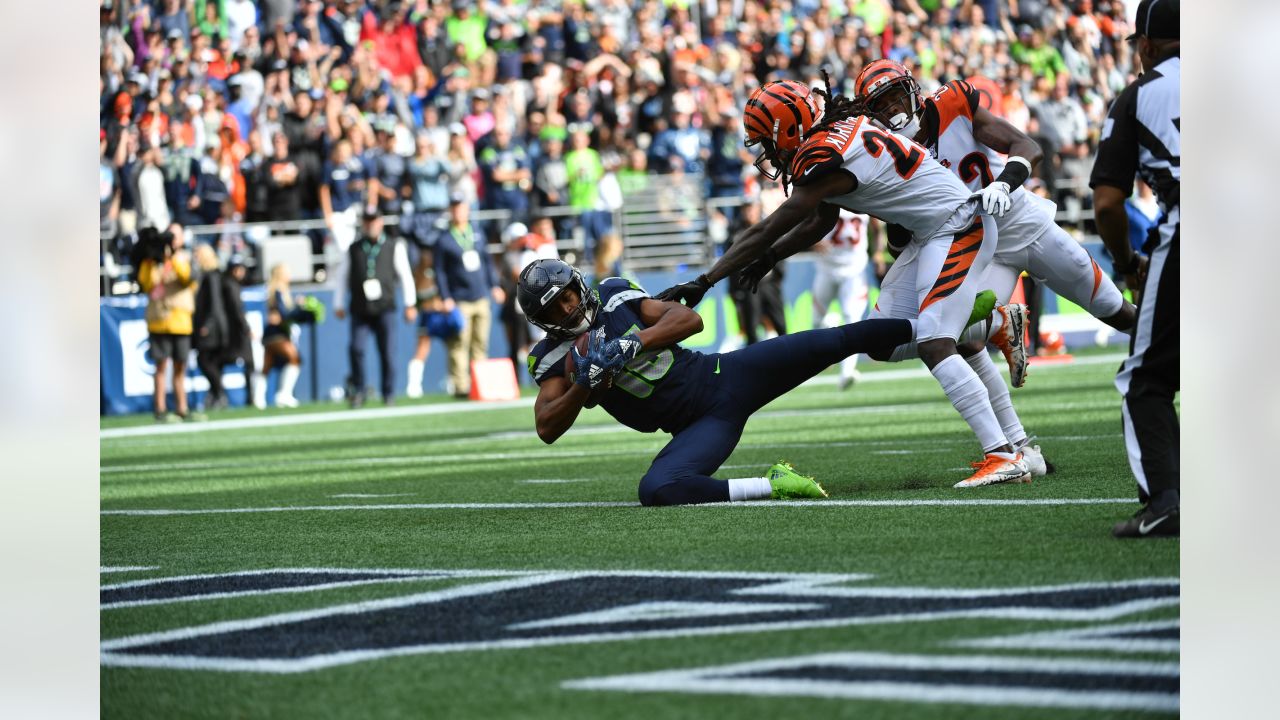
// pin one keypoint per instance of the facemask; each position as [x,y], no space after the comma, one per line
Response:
[911,128]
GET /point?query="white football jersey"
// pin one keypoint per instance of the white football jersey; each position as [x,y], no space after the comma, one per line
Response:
[948,133]
[847,242]
[897,180]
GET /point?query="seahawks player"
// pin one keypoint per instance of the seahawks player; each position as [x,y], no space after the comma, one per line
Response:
[635,369]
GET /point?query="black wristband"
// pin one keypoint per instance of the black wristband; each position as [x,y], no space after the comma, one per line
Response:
[1014,174]
[1129,268]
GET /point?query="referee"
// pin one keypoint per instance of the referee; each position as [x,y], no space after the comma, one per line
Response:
[1142,136]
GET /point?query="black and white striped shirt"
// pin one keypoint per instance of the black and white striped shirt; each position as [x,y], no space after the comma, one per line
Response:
[1142,136]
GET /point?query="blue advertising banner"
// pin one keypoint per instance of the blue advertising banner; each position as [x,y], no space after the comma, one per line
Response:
[127,369]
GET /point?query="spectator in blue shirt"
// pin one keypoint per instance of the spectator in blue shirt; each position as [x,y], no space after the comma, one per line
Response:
[690,144]
[343,191]
[507,176]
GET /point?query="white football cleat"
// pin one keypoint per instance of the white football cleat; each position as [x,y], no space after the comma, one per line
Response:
[1034,459]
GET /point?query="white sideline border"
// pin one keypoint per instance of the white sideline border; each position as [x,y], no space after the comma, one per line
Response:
[940,502]
[450,408]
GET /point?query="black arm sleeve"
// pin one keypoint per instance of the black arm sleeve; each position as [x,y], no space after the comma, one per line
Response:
[898,237]
[1013,174]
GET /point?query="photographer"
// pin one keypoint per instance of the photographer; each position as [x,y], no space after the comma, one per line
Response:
[164,274]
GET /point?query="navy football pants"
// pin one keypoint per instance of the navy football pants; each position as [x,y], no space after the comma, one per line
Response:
[747,380]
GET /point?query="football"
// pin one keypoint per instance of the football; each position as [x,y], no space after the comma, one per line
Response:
[581,343]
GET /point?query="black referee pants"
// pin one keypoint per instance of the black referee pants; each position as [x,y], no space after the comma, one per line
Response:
[1149,379]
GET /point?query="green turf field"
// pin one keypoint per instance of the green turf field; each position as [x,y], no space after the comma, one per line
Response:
[417,563]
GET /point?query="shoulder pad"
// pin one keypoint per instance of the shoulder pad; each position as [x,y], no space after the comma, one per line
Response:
[816,158]
[547,359]
[616,291]
[955,99]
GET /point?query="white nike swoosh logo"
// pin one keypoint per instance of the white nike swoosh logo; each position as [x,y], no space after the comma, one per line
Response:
[1144,528]
[806,172]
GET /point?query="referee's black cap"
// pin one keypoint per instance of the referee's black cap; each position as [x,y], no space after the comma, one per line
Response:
[1157,20]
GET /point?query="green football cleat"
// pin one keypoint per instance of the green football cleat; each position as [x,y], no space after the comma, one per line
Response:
[787,483]
[983,303]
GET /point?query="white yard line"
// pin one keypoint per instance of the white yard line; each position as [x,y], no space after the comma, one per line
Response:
[450,408]
[969,502]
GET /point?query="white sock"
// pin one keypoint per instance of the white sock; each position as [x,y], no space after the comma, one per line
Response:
[259,390]
[288,378]
[998,394]
[414,388]
[749,489]
[969,397]
[849,367]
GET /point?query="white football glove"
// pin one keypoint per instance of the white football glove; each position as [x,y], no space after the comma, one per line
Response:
[995,198]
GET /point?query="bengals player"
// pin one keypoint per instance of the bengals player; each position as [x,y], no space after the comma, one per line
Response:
[837,158]
[993,159]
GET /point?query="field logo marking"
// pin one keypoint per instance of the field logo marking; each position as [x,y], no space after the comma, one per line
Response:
[1141,637]
[1098,684]
[523,609]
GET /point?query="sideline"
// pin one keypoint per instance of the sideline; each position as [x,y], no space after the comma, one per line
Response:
[450,408]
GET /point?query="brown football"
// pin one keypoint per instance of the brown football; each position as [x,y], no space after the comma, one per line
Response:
[581,343]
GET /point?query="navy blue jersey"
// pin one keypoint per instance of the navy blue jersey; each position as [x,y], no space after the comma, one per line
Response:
[660,389]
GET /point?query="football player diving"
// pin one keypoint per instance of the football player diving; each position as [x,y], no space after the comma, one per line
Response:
[839,158]
[633,366]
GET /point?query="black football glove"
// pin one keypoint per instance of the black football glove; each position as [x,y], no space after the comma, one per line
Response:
[689,293]
[619,351]
[589,370]
[754,272]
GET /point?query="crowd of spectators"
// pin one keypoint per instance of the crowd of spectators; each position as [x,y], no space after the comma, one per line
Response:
[234,110]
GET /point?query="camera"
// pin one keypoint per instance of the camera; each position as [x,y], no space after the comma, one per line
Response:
[152,245]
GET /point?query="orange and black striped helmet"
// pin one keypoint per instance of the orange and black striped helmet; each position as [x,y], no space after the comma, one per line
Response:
[878,87]
[777,116]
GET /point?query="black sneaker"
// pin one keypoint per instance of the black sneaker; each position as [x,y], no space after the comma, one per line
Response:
[1149,523]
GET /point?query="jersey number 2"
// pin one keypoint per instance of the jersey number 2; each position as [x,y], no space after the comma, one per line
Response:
[905,160]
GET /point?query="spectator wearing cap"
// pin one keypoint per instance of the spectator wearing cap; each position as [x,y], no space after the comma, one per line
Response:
[507,176]
[366,280]
[480,120]
[466,280]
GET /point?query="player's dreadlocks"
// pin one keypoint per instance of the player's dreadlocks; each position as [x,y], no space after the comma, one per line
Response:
[837,107]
